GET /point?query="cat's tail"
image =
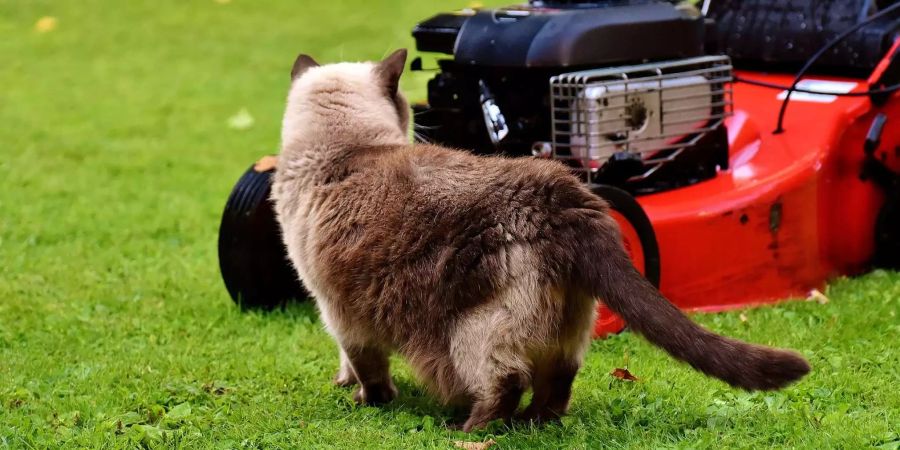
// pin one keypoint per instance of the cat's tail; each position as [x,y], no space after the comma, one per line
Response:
[618,284]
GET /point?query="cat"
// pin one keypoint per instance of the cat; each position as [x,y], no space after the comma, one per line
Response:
[482,271]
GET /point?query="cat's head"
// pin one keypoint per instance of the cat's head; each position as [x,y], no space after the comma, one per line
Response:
[366,93]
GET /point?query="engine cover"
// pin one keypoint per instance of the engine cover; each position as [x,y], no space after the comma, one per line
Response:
[578,37]
[495,96]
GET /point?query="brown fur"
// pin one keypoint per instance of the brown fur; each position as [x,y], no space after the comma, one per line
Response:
[481,271]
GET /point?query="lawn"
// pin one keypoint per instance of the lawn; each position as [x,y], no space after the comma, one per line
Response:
[123,126]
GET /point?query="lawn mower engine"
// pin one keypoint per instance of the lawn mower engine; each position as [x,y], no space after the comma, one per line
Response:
[621,91]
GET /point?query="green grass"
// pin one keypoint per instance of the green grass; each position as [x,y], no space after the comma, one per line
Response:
[115,329]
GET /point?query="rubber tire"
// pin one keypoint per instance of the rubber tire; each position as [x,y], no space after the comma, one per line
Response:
[740,24]
[626,205]
[252,257]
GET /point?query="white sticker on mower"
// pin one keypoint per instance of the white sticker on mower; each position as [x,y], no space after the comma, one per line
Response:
[829,87]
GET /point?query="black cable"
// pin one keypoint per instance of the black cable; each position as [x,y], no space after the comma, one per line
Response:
[887,90]
[815,57]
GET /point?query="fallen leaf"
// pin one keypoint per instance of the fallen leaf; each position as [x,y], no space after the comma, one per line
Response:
[816,295]
[131,418]
[476,5]
[211,388]
[266,163]
[46,24]
[223,2]
[241,121]
[743,317]
[149,434]
[475,445]
[180,411]
[623,374]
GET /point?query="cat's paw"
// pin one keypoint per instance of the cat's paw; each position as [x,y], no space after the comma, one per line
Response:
[475,424]
[537,417]
[376,394]
[344,379]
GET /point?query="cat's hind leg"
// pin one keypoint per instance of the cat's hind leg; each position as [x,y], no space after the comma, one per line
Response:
[345,376]
[555,370]
[489,358]
[363,361]
[370,366]
[552,390]
[498,400]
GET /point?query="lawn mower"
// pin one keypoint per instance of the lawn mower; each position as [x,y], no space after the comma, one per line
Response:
[748,149]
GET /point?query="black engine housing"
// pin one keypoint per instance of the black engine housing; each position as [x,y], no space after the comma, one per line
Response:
[515,51]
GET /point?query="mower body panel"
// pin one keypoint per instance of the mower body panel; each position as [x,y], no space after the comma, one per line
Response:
[791,211]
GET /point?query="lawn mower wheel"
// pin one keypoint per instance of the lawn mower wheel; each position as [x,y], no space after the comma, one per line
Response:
[252,257]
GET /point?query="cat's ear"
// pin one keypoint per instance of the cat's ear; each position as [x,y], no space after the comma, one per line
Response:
[301,65]
[390,69]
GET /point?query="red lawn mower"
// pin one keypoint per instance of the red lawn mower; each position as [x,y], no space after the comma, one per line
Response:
[749,149]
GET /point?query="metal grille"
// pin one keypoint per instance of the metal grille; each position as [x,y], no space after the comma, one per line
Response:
[653,110]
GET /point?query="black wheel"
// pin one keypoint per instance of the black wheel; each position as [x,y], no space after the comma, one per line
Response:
[252,257]
[637,231]
[740,25]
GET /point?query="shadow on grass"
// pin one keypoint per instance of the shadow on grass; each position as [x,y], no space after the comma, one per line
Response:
[412,399]
[301,311]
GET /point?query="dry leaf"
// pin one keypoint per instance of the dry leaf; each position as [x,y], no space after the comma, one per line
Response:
[241,121]
[743,317]
[623,374]
[46,24]
[816,295]
[475,445]
[214,388]
[266,163]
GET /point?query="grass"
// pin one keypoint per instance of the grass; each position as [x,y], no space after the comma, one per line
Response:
[115,330]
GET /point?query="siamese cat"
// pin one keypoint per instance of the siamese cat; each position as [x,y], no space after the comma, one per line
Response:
[482,272]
